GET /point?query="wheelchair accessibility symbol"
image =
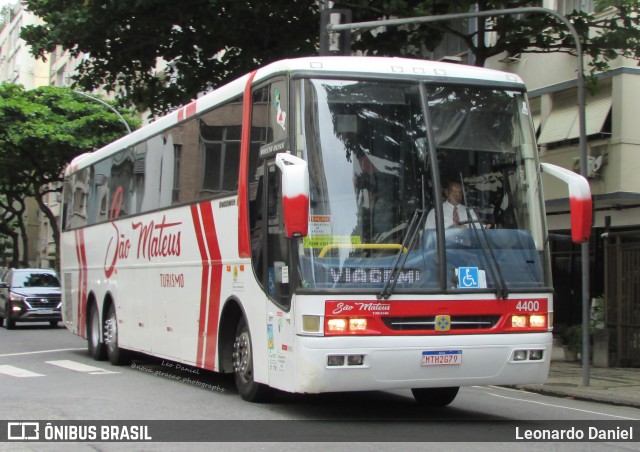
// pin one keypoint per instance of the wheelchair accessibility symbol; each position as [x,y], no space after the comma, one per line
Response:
[468,278]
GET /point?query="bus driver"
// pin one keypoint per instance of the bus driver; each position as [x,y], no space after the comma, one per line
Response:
[455,213]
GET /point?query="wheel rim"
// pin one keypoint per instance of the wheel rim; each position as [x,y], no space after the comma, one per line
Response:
[111,333]
[95,328]
[242,357]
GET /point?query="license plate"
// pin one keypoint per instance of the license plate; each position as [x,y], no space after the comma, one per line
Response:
[45,311]
[441,357]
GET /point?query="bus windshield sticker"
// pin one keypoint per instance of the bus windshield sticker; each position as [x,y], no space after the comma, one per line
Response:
[281,116]
[471,278]
[319,225]
[322,241]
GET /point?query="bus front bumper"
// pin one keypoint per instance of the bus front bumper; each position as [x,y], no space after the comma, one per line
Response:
[384,363]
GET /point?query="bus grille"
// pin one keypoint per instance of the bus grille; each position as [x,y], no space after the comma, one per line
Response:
[428,323]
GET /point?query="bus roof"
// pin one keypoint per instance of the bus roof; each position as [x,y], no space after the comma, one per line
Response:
[331,65]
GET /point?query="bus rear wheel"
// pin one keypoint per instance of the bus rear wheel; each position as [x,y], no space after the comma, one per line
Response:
[243,367]
[96,347]
[434,397]
[117,356]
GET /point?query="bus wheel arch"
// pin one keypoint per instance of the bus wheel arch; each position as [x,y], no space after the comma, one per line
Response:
[95,344]
[229,318]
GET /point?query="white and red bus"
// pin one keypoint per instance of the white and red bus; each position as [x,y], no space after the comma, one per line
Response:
[276,229]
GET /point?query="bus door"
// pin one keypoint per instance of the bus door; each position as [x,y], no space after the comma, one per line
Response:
[280,325]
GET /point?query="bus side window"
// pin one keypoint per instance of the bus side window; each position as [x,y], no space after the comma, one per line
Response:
[219,135]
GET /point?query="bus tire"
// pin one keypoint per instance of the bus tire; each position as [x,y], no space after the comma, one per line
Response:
[97,348]
[434,397]
[117,356]
[243,367]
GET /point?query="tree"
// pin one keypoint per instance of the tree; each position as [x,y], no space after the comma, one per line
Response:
[604,36]
[9,228]
[204,43]
[41,130]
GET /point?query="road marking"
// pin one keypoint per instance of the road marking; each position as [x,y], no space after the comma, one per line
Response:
[17,372]
[562,406]
[79,367]
[44,351]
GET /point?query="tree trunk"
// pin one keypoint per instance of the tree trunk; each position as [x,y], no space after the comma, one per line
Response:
[25,242]
[15,257]
[53,223]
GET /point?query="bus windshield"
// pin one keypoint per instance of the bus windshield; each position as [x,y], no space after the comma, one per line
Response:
[381,153]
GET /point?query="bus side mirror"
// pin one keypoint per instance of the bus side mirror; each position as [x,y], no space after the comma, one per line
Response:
[295,194]
[579,199]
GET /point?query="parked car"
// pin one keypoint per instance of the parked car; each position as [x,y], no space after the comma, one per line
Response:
[30,295]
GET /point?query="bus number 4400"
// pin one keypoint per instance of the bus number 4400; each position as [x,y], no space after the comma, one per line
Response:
[530,305]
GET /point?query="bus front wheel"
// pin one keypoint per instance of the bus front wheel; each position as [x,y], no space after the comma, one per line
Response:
[434,397]
[243,367]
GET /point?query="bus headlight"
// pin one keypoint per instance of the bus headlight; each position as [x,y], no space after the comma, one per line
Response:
[360,325]
[529,321]
[537,321]
[357,324]
[519,321]
[338,325]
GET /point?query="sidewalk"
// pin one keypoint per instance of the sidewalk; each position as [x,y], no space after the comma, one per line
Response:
[613,385]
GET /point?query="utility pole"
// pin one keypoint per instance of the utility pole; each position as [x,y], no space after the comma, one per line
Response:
[586,305]
[334,43]
[100,101]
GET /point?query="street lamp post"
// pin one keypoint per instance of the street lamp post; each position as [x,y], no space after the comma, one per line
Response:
[581,124]
[100,101]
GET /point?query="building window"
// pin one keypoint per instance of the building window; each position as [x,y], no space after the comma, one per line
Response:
[566,7]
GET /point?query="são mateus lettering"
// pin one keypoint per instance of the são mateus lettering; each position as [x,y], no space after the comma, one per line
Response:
[147,240]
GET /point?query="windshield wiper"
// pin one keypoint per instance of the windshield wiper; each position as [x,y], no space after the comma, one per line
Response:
[501,286]
[415,225]
[502,290]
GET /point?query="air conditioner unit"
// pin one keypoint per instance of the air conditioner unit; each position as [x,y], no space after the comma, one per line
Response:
[451,59]
[594,165]
[511,59]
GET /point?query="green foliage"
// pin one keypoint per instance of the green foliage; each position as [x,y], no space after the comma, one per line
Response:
[209,42]
[612,31]
[41,130]
[204,42]
[572,336]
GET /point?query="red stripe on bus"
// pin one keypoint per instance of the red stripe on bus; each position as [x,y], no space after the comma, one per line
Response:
[244,245]
[82,293]
[215,272]
[197,226]
[187,111]
[77,240]
[190,109]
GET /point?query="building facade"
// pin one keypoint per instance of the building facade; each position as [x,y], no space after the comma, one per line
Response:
[613,147]
[18,66]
